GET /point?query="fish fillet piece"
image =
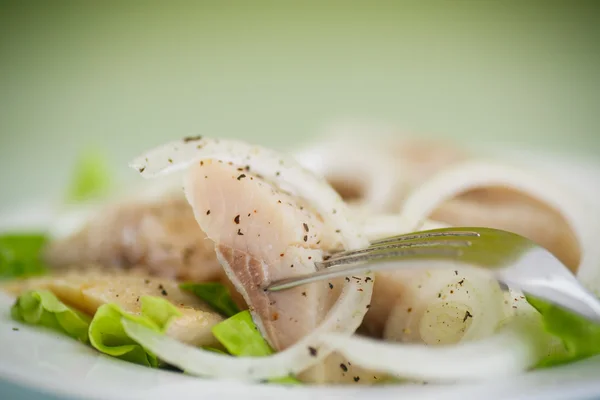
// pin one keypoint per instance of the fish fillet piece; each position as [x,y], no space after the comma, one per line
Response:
[88,289]
[515,211]
[263,234]
[493,207]
[160,236]
[421,158]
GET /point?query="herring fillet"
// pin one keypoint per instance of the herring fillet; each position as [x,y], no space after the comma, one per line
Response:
[159,236]
[262,234]
[471,175]
[343,317]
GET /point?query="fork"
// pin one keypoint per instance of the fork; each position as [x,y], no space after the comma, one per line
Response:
[513,260]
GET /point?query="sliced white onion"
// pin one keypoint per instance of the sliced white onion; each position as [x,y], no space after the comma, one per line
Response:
[466,176]
[517,346]
[374,170]
[447,306]
[346,314]
[380,226]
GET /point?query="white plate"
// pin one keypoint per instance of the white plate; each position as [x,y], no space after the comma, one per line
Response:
[60,366]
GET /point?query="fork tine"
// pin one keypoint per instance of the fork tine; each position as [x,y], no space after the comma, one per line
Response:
[376,262]
[390,250]
[444,232]
[394,245]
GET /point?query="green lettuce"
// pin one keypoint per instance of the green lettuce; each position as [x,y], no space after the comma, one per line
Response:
[215,295]
[41,307]
[579,336]
[240,336]
[92,178]
[105,330]
[20,255]
[108,336]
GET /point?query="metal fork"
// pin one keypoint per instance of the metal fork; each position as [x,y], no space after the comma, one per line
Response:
[515,261]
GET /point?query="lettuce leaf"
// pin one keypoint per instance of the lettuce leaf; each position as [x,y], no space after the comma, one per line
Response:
[41,307]
[20,255]
[215,295]
[108,336]
[92,178]
[580,337]
[240,336]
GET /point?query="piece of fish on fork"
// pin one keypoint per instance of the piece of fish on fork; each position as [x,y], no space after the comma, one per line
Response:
[514,260]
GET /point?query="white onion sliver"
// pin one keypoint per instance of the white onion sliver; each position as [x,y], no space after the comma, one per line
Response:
[362,163]
[474,174]
[435,307]
[346,314]
[380,226]
[516,347]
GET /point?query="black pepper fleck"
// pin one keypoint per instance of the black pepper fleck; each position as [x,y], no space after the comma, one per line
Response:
[305,238]
[467,315]
[142,169]
[356,378]
[330,285]
[239,232]
[170,161]
[305,226]
[312,351]
[455,272]
[343,367]
[304,294]
[164,292]
[237,219]
[461,282]
[207,212]
[241,176]
[15,329]
[191,139]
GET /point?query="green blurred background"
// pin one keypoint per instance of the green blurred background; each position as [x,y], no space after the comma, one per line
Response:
[128,75]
